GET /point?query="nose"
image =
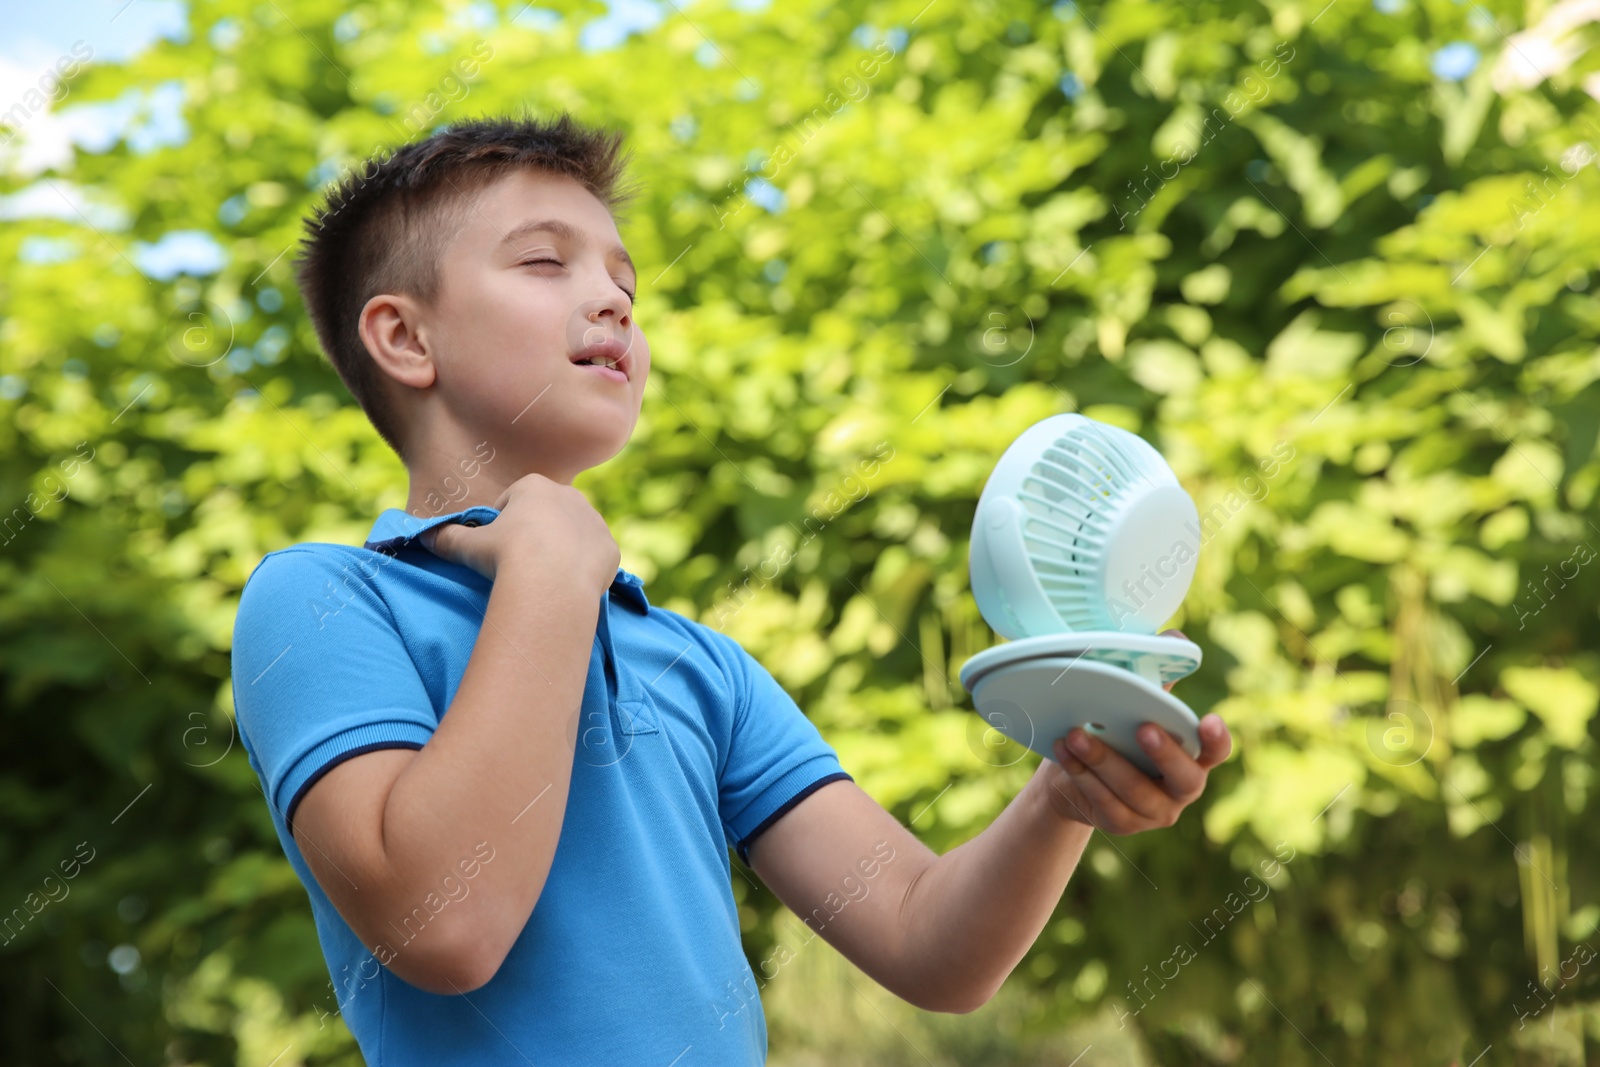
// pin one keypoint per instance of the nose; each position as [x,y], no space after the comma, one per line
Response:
[614,305]
[608,322]
[601,319]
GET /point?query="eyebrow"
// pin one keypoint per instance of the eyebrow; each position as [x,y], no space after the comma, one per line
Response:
[563,230]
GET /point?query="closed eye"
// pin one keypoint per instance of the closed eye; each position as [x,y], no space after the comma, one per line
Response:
[534,262]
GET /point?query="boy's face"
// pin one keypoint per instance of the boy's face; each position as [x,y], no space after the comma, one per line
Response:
[517,304]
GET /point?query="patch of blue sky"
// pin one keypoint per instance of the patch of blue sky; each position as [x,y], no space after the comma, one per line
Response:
[347,27]
[537,19]
[868,36]
[38,28]
[626,18]
[323,173]
[62,200]
[45,250]
[765,195]
[476,16]
[192,252]
[147,119]
[1455,61]
[225,34]
[273,340]
[233,210]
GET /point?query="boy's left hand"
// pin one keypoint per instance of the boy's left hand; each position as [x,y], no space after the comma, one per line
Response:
[1103,789]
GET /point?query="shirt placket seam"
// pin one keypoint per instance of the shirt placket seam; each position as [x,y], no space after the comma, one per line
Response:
[609,653]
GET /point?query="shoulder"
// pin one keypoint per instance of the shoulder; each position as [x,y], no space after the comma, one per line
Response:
[707,643]
[318,560]
[743,677]
[310,573]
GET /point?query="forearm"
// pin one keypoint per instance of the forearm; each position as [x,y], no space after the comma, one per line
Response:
[495,775]
[972,913]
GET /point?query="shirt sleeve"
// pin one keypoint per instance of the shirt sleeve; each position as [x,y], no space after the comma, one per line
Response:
[320,672]
[776,757]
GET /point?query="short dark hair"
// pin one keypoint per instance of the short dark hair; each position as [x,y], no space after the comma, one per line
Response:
[383,227]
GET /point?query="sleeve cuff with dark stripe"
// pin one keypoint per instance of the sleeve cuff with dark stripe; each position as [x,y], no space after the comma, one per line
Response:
[322,761]
[743,846]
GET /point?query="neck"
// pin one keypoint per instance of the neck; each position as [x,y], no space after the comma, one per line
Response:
[463,475]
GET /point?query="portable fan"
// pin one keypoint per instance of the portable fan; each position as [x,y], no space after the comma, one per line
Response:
[1082,546]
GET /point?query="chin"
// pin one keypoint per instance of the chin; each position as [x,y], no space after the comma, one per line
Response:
[583,447]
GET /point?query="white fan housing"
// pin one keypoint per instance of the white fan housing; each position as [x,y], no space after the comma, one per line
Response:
[1082,527]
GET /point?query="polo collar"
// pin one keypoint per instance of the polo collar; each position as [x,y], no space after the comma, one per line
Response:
[395,529]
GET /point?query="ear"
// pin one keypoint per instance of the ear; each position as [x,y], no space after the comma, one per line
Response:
[390,327]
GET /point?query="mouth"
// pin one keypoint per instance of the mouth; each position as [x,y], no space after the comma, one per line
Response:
[610,353]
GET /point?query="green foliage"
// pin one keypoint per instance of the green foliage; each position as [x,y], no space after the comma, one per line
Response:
[1349,300]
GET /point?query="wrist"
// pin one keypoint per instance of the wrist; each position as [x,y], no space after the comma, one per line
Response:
[1052,810]
[543,581]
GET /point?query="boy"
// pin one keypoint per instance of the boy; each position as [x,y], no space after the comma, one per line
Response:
[508,782]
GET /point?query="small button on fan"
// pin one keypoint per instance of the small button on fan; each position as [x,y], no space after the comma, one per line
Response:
[1082,546]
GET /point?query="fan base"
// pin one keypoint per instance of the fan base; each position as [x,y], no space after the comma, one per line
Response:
[1157,658]
[1034,700]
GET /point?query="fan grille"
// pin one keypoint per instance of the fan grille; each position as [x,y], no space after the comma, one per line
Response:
[1070,496]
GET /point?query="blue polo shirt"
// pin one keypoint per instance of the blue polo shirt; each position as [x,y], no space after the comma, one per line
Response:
[686,746]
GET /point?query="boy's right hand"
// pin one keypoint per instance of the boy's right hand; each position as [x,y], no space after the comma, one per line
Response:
[539,519]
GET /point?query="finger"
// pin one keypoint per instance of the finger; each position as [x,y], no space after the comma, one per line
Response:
[1072,798]
[1216,744]
[1131,787]
[440,540]
[1182,777]
[1109,811]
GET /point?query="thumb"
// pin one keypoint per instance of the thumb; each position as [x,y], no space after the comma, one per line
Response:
[430,539]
